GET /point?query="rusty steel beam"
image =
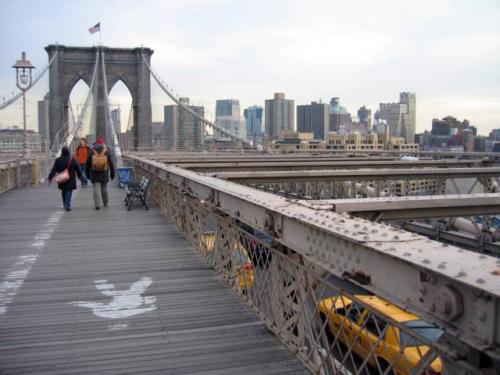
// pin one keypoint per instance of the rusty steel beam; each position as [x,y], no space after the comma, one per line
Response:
[451,287]
[356,174]
[412,207]
[332,165]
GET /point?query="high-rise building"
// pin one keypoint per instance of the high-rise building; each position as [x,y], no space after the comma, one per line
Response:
[401,116]
[313,118]
[253,121]
[12,140]
[183,130]
[449,125]
[410,118]
[232,124]
[227,107]
[228,117]
[279,114]
[158,134]
[338,115]
[365,116]
[495,135]
[43,123]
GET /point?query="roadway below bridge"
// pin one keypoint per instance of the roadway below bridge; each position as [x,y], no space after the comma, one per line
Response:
[113,291]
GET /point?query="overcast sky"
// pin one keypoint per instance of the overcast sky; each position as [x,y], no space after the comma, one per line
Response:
[365,52]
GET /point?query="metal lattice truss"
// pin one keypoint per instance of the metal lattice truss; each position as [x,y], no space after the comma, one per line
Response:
[298,255]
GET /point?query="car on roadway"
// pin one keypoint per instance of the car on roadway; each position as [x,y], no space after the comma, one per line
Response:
[361,329]
[239,262]
[257,244]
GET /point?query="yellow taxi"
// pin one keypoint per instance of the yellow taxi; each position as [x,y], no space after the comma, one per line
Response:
[243,267]
[359,328]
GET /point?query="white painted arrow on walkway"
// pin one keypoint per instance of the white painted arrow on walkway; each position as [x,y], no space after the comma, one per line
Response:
[124,303]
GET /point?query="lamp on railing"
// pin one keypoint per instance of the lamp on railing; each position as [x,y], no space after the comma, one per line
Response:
[23,82]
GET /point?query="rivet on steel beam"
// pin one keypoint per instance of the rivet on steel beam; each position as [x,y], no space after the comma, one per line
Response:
[426,261]
[461,274]
[480,281]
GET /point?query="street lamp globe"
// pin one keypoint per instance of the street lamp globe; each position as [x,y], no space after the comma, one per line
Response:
[23,72]
[23,82]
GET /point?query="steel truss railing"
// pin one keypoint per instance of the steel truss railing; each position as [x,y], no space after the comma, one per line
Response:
[11,100]
[193,113]
[302,249]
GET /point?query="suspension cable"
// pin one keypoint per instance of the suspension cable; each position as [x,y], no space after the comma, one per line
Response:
[8,102]
[193,113]
[116,146]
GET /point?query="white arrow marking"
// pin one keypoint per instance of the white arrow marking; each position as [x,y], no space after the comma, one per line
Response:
[124,303]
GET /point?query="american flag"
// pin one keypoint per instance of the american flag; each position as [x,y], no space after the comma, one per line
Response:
[95,28]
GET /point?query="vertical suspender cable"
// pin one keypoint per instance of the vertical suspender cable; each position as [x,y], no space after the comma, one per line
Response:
[116,145]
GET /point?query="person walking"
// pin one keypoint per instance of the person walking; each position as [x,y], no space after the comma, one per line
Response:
[82,153]
[65,170]
[99,169]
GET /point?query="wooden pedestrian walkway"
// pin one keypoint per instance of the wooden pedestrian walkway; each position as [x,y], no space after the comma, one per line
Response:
[117,292]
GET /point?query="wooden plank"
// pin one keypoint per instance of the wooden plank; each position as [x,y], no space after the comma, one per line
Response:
[198,327]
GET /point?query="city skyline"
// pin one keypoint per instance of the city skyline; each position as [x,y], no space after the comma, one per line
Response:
[446,53]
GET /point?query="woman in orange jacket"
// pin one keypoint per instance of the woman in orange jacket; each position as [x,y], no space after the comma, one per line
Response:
[82,153]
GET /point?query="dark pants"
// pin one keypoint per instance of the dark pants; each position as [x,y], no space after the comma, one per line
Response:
[100,194]
[66,197]
[84,179]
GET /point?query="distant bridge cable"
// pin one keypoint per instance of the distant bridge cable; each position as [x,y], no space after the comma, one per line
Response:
[79,122]
[109,120]
[193,113]
[8,102]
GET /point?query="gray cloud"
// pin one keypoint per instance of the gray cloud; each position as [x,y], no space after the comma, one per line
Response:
[366,52]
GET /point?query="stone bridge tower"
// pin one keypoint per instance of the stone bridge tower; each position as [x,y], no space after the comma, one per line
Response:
[125,64]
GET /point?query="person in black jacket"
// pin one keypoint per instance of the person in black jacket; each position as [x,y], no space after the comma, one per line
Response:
[62,162]
[99,173]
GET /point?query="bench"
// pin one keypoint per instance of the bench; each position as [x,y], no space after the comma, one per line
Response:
[137,192]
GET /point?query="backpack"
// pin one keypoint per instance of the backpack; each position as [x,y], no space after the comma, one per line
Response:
[100,161]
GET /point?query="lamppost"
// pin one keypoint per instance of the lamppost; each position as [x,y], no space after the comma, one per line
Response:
[23,82]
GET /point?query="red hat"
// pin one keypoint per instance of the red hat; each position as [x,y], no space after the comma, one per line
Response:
[99,141]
